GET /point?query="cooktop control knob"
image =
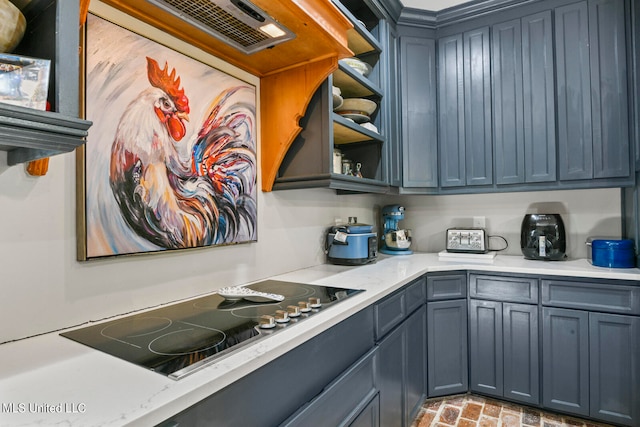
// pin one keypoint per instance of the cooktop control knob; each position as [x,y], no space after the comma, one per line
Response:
[314,302]
[281,316]
[293,310]
[305,307]
[267,322]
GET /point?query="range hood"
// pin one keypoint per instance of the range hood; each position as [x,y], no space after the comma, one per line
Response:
[239,23]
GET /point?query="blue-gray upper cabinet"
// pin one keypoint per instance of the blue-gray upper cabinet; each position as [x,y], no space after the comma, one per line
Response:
[635,47]
[591,67]
[464,109]
[419,117]
[393,110]
[523,100]
[451,111]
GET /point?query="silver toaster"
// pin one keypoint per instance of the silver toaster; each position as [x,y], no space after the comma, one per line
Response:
[467,240]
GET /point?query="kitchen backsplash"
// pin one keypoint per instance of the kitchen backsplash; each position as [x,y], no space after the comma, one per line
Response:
[429,217]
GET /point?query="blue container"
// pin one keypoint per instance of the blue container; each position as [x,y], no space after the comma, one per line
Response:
[613,253]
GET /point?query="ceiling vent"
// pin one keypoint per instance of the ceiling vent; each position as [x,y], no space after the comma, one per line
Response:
[235,22]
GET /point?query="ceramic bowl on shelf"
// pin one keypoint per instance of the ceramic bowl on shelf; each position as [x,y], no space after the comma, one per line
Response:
[358,65]
[12,26]
[357,109]
[359,105]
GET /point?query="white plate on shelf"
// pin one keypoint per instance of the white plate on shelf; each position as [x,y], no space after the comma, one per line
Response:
[370,126]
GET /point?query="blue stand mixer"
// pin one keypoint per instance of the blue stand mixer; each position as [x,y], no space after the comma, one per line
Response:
[396,241]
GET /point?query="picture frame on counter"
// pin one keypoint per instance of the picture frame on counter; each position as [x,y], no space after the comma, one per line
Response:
[170,162]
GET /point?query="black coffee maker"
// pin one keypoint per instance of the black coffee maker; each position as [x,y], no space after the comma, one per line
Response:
[543,237]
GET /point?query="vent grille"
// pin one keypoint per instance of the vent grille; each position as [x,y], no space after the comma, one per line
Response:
[225,21]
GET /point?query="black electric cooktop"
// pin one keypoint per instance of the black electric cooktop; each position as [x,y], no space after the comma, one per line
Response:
[178,339]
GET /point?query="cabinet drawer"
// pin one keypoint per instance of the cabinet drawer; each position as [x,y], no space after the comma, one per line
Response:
[593,295]
[415,294]
[504,288]
[343,399]
[446,286]
[388,313]
[392,310]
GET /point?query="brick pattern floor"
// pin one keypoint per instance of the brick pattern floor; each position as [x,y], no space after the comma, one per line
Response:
[475,411]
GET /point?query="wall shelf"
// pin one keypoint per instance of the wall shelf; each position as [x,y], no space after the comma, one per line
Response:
[27,134]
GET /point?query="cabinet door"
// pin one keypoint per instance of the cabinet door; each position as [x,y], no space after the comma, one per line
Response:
[389,377]
[419,117]
[521,365]
[477,107]
[614,348]
[392,101]
[370,415]
[523,100]
[574,92]
[565,360]
[451,119]
[538,97]
[506,63]
[447,347]
[416,363]
[607,41]
[485,352]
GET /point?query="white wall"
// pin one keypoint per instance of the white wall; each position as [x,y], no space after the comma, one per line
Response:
[584,213]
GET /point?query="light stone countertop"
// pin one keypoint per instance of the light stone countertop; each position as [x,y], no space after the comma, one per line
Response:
[49,379]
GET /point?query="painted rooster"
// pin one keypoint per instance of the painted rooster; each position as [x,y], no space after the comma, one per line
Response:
[176,202]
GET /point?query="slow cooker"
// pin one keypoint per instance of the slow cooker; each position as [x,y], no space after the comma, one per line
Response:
[351,244]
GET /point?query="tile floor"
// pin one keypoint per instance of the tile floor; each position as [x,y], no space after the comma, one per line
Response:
[476,411]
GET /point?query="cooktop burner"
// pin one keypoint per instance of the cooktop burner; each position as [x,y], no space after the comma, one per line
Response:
[178,339]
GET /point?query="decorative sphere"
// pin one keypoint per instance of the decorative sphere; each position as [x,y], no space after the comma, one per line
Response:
[12,26]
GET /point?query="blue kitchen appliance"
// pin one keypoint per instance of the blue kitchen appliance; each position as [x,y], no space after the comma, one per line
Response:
[351,244]
[396,241]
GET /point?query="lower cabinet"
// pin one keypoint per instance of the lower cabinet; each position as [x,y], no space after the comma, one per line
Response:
[268,396]
[401,371]
[400,325]
[591,364]
[447,365]
[351,399]
[504,336]
[448,333]
[504,350]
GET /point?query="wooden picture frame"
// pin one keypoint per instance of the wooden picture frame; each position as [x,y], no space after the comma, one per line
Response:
[170,161]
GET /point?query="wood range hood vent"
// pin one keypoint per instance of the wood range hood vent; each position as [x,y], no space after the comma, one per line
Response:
[237,22]
[291,66]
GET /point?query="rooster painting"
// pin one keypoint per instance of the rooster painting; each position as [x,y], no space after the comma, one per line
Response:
[169,179]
